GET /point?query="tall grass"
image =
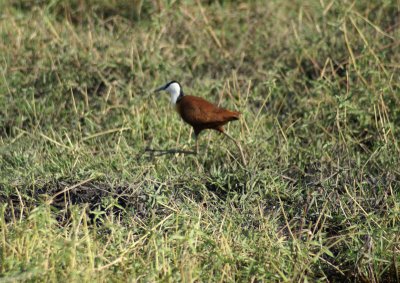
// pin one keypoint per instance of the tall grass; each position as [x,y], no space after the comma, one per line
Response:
[89,191]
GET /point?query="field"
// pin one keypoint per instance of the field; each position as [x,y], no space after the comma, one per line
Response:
[94,186]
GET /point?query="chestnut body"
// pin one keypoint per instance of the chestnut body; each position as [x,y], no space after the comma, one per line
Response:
[201,114]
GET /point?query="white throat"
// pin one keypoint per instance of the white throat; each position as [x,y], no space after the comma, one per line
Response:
[174,89]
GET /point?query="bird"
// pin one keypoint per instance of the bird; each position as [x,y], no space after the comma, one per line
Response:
[199,113]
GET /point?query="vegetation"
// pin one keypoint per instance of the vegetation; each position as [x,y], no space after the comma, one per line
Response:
[90,190]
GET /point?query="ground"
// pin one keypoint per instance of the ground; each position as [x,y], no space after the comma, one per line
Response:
[90,189]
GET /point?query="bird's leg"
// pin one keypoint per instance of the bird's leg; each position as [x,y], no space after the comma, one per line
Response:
[238,146]
[195,136]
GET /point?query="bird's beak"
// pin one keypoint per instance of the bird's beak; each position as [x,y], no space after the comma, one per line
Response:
[160,89]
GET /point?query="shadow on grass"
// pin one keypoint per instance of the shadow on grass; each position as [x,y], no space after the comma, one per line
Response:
[161,152]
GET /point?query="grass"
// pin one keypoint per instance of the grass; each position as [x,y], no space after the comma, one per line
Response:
[83,199]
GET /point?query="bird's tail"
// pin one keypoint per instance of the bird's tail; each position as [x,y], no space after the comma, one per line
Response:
[232,115]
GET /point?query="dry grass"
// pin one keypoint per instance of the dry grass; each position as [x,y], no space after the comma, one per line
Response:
[83,199]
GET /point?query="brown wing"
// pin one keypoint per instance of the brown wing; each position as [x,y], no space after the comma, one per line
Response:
[197,111]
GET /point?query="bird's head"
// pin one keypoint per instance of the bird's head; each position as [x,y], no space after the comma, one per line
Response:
[174,89]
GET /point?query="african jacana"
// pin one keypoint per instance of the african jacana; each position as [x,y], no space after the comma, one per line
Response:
[199,113]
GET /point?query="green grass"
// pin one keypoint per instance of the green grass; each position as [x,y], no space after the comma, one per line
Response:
[81,199]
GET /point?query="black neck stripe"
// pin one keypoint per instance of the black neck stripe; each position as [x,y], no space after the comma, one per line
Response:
[180,96]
